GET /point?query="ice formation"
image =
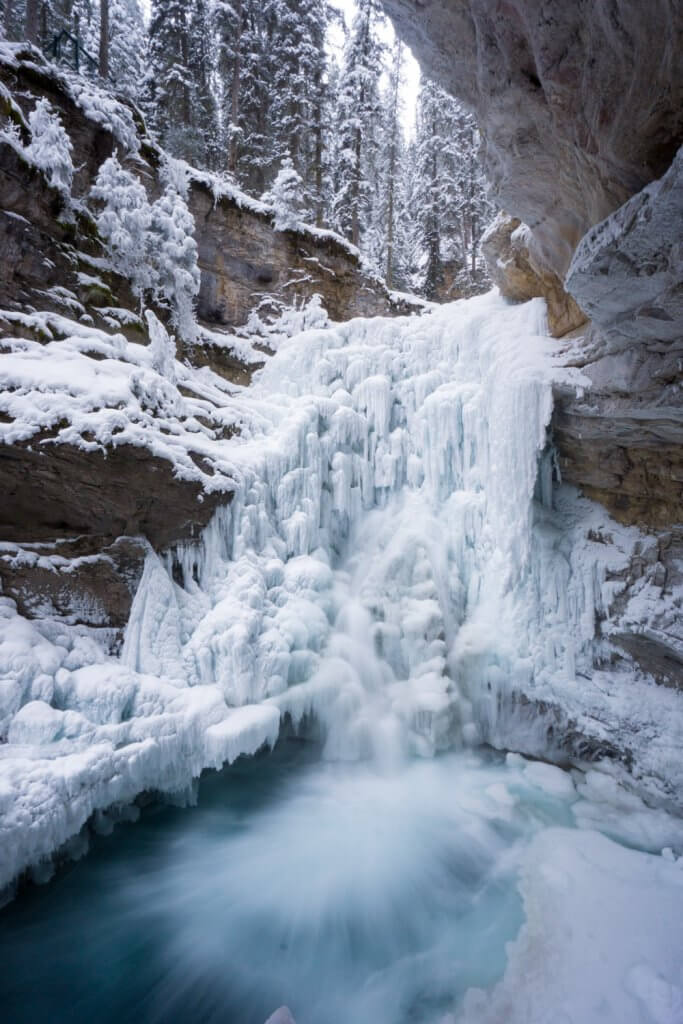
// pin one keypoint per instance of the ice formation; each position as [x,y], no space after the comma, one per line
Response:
[382,568]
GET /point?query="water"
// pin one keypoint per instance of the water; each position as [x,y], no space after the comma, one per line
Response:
[348,892]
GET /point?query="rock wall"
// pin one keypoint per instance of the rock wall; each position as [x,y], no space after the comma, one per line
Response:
[580,105]
[242,258]
[78,498]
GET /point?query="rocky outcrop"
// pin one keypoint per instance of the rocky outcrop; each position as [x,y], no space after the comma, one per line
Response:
[509,257]
[627,272]
[579,105]
[80,581]
[621,441]
[241,257]
[243,261]
[62,490]
[76,495]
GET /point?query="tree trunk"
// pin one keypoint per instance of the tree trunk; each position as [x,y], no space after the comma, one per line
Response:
[235,93]
[355,193]
[104,38]
[318,157]
[391,184]
[7,21]
[32,9]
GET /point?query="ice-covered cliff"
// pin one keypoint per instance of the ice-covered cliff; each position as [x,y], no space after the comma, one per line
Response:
[393,567]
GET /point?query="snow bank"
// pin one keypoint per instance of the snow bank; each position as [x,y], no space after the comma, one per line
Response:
[602,940]
[93,390]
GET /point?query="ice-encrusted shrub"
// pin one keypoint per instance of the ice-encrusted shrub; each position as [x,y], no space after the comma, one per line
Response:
[162,347]
[173,254]
[124,222]
[50,147]
[286,196]
[153,244]
[272,319]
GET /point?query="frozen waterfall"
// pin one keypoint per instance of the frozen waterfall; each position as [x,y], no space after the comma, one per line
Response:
[372,559]
[389,573]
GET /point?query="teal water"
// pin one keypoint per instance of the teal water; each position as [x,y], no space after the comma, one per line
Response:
[349,894]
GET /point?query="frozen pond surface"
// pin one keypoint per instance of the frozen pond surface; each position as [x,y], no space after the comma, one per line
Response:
[348,893]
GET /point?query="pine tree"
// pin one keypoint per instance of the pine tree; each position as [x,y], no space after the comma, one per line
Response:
[202,140]
[127,46]
[358,110]
[50,147]
[286,196]
[451,204]
[169,83]
[123,222]
[298,58]
[172,253]
[229,21]
[392,142]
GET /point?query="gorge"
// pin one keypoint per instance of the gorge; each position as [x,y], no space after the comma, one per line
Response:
[404,581]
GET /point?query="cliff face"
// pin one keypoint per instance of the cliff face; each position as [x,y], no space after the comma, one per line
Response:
[580,104]
[75,492]
[580,107]
[242,258]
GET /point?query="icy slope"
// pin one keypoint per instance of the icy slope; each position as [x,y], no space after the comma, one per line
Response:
[381,566]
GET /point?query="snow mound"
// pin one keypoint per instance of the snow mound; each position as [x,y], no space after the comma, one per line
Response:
[602,941]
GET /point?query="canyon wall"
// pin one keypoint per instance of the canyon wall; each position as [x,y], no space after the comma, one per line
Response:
[580,107]
[72,501]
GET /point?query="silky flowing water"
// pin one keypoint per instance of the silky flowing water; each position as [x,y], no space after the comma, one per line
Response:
[346,892]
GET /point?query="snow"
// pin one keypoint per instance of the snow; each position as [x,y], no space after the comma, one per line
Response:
[50,147]
[117,398]
[602,940]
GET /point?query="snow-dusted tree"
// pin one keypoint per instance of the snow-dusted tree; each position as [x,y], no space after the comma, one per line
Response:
[123,222]
[168,80]
[152,245]
[162,347]
[228,22]
[50,147]
[286,196]
[172,254]
[180,100]
[451,203]
[358,114]
[255,158]
[393,140]
[127,46]
[202,138]
[298,59]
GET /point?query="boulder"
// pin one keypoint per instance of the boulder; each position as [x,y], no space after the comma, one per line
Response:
[508,250]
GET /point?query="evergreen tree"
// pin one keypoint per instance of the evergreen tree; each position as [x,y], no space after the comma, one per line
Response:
[50,147]
[286,196]
[358,112]
[452,208]
[180,99]
[127,46]
[202,141]
[169,84]
[299,60]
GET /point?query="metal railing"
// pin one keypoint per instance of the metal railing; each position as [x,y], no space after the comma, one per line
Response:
[67,48]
